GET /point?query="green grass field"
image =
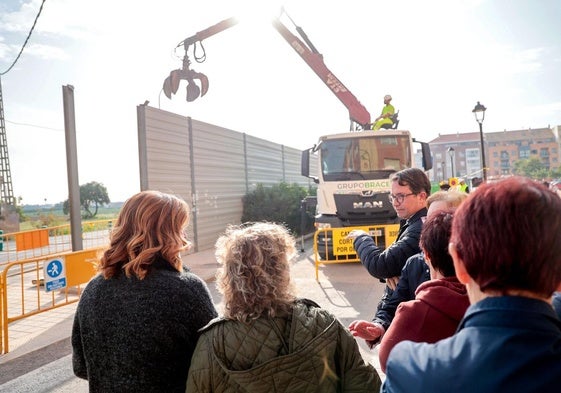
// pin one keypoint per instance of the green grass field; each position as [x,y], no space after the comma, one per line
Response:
[39,217]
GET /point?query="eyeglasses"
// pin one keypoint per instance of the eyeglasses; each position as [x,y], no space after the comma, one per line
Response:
[399,198]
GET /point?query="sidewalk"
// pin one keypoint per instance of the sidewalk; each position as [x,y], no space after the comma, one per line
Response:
[45,337]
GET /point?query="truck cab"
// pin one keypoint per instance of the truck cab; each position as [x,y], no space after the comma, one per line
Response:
[354,180]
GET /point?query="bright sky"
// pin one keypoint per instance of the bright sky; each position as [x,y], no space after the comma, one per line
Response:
[436,58]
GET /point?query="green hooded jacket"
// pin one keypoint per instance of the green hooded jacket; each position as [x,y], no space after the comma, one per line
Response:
[307,351]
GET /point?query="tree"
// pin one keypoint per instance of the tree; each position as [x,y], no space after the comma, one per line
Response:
[92,196]
[532,168]
[556,173]
[278,203]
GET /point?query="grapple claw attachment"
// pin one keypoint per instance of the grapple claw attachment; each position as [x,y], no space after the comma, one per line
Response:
[175,78]
[171,83]
[204,84]
[167,87]
[193,91]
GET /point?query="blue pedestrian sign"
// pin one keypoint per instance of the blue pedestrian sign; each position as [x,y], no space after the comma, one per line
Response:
[55,274]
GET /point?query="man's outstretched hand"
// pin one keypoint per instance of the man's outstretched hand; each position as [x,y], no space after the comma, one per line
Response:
[367,330]
[356,233]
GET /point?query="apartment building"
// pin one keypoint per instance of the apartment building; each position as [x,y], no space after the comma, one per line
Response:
[459,155]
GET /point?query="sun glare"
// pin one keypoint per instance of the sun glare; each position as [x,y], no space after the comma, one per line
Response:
[258,12]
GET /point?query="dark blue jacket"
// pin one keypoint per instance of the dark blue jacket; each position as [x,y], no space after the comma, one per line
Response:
[386,263]
[503,344]
[557,304]
[414,273]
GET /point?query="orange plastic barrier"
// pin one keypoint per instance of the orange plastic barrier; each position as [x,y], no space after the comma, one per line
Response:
[32,239]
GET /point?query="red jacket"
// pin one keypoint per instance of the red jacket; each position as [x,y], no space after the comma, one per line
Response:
[435,314]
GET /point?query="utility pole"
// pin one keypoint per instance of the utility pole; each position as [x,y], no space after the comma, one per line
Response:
[72,167]
[6,190]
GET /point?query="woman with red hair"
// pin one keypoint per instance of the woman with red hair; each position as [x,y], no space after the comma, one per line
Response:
[137,322]
[506,247]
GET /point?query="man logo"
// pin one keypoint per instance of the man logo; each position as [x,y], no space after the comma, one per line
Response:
[368,205]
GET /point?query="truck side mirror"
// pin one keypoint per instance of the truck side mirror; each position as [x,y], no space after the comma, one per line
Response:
[305,163]
[427,157]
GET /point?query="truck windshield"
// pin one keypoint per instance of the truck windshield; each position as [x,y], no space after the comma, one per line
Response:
[374,156]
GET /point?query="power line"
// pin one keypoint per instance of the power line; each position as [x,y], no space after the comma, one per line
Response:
[27,39]
[34,125]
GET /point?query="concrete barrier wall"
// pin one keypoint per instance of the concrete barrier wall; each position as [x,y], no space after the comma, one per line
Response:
[211,167]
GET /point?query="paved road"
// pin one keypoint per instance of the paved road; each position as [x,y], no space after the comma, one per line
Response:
[345,289]
[55,376]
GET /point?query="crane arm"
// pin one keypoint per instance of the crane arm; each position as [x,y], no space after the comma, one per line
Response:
[357,112]
[208,32]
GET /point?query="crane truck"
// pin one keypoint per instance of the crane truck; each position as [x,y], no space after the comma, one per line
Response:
[354,167]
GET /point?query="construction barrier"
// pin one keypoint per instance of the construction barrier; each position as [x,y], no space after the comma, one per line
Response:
[28,287]
[24,245]
[36,285]
[332,246]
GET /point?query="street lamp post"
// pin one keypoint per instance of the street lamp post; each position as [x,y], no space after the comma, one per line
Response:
[451,152]
[479,112]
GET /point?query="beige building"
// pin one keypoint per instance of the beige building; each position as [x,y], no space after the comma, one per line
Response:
[459,155]
[455,155]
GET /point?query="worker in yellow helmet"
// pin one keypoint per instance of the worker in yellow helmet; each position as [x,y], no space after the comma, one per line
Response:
[463,186]
[385,117]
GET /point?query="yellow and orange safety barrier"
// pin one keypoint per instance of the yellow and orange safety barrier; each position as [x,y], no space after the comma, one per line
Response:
[336,248]
[22,266]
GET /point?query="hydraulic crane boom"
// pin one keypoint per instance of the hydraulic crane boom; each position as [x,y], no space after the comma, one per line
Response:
[357,112]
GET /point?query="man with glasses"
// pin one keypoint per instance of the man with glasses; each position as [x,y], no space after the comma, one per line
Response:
[409,191]
[414,273]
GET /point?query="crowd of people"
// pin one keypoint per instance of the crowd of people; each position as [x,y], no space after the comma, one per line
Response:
[472,302]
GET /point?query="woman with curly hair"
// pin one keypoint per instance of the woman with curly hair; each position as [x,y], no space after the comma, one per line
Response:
[268,339]
[137,322]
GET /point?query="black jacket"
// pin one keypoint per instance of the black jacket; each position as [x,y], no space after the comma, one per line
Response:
[557,304]
[386,263]
[132,335]
[413,274]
